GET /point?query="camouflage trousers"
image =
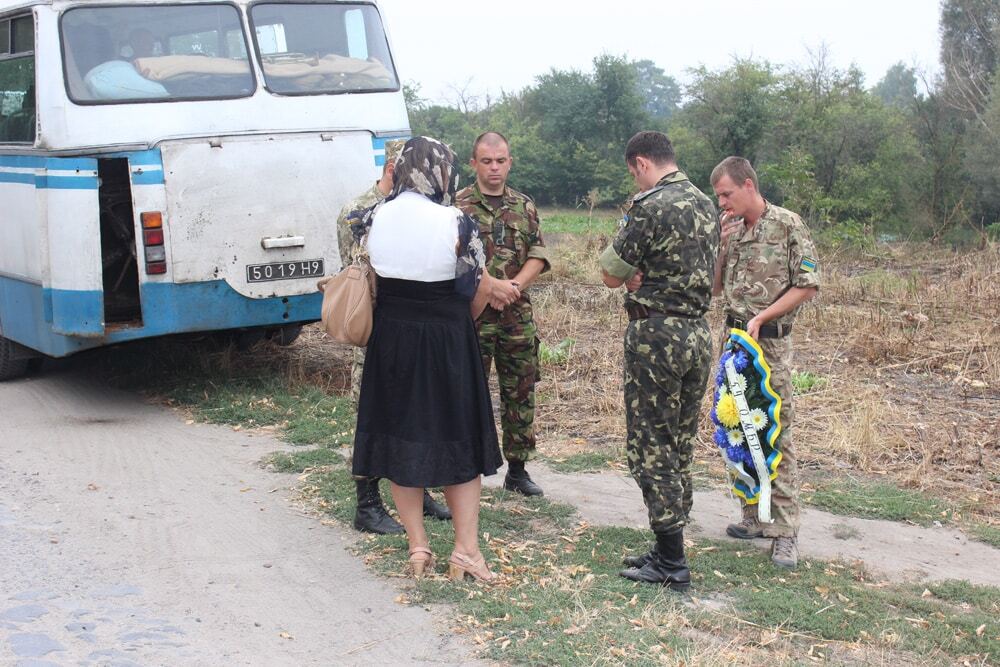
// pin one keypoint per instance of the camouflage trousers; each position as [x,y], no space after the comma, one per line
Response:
[785,487]
[667,364]
[514,350]
[357,370]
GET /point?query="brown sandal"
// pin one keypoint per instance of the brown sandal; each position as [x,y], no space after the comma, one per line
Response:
[459,566]
[421,558]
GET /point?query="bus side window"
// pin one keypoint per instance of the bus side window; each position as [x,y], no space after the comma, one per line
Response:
[17,80]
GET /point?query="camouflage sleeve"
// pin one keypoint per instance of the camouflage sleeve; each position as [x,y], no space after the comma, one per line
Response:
[803,264]
[632,245]
[612,263]
[344,237]
[351,214]
[536,245]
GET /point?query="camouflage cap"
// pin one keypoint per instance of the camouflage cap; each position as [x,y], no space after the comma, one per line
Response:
[393,148]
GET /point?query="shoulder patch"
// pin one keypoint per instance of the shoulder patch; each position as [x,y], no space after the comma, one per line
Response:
[808,265]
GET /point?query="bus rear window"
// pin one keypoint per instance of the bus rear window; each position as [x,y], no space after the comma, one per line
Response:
[316,48]
[155,53]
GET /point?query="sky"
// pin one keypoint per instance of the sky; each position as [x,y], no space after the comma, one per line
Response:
[484,48]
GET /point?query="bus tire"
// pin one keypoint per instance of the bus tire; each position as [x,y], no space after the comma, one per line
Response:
[13,364]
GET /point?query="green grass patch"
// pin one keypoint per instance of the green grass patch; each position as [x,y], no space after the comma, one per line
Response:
[886,282]
[572,222]
[805,382]
[301,461]
[221,386]
[986,534]
[561,601]
[556,355]
[584,461]
[306,414]
[877,500]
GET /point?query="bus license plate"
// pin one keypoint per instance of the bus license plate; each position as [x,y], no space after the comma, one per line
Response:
[307,268]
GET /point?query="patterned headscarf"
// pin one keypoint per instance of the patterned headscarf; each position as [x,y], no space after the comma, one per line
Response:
[426,166]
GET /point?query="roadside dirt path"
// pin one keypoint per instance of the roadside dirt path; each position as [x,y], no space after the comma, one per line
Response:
[898,551]
[128,537]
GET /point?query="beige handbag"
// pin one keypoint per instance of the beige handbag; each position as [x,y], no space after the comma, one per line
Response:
[348,302]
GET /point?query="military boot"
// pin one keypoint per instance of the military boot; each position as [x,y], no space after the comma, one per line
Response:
[434,509]
[640,560]
[749,527]
[667,565]
[517,479]
[785,552]
[371,515]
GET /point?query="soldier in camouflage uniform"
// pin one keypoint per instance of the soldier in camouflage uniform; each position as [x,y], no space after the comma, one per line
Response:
[767,268]
[515,254]
[664,253]
[371,515]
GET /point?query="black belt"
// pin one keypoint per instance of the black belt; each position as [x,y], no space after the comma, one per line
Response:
[766,331]
[638,311]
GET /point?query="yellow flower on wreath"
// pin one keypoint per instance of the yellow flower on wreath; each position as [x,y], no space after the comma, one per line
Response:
[727,411]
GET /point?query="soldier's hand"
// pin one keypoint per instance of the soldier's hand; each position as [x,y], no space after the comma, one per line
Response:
[504,293]
[753,328]
[635,282]
[729,225]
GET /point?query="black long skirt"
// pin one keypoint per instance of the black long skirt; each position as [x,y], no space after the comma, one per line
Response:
[424,415]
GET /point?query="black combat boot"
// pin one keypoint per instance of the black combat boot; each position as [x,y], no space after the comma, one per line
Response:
[371,515]
[640,560]
[667,565]
[517,479]
[434,509]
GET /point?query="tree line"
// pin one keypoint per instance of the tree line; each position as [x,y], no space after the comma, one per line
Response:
[906,157]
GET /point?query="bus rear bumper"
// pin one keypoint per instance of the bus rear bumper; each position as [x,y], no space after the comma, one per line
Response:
[26,313]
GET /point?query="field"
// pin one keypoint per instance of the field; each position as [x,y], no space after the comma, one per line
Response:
[897,375]
[897,369]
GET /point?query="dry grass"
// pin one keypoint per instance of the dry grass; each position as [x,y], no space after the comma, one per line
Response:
[906,340]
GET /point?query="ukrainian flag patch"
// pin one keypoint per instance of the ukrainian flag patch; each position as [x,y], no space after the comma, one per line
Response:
[808,265]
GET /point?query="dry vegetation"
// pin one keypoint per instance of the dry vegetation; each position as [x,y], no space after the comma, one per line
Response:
[906,342]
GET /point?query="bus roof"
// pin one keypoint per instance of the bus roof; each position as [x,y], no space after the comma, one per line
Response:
[14,5]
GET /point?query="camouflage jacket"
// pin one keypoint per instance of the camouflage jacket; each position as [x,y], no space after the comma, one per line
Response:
[345,239]
[764,262]
[511,236]
[671,234]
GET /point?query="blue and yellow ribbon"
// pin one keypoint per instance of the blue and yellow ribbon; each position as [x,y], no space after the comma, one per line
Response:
[739,337]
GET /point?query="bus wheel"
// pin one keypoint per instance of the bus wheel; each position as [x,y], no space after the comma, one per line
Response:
[13,363]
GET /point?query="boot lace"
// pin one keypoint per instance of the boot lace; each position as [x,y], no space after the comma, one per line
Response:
[784,548]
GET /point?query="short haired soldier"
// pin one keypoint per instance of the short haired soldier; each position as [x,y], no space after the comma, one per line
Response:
[516,256]
[664,253]
[371,515]
[767,268]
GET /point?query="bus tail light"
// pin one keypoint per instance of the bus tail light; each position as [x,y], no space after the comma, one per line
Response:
[152,241]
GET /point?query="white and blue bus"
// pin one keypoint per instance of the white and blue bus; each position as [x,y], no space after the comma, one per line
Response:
[171,167]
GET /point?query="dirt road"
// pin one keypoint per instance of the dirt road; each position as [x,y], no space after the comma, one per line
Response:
[128,537]
[898,551]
